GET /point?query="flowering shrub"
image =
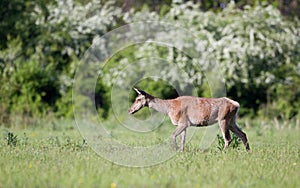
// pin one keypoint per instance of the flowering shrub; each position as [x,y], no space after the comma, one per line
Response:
[256,51]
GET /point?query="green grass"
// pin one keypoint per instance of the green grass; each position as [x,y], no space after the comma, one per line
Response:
[59,157]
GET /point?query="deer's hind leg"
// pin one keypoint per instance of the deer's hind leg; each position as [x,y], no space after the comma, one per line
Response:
[239,133]
[224,126]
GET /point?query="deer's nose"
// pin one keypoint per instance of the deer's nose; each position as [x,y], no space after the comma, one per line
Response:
[131,111]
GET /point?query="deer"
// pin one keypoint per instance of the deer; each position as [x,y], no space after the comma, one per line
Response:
[185,111]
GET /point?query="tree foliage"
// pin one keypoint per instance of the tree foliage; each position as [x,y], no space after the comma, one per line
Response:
[256,48]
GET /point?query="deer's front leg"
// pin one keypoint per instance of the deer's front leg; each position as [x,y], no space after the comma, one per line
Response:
[181,129]
[182,139]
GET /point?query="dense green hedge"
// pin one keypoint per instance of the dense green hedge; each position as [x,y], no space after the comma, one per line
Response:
[257,48]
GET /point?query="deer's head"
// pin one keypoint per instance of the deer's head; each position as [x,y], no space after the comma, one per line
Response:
[140,101]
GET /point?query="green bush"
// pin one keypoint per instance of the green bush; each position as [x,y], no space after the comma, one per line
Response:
[31,89]
[256,49]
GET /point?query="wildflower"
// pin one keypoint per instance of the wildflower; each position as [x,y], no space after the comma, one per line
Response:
[113,185]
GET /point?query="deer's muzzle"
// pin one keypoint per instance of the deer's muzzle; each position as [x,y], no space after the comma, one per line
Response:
[131,111]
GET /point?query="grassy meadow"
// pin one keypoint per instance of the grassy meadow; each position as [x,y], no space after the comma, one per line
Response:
[57,156]
[80,58]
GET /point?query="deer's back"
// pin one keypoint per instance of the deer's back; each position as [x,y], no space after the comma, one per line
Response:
[200,111]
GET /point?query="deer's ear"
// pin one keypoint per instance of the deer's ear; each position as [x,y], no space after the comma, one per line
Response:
[140,92]
[137,90]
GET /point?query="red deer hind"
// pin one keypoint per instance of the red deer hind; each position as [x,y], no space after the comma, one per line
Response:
[187,111]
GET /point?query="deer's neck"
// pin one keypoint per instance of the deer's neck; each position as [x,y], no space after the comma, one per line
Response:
[160,105]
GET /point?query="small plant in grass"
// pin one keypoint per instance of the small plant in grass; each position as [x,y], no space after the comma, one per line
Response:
[235,142]
[23,141]
[220,144]
[11,139]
